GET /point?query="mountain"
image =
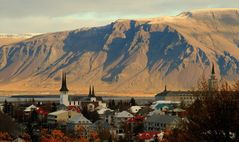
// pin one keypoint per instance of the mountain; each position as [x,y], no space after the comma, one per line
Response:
[128,56]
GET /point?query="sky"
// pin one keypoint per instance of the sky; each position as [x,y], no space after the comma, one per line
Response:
[43,16]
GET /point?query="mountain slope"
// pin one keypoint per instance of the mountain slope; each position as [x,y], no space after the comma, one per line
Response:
[128,55]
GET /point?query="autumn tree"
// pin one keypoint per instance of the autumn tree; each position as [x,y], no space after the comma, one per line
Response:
[212,117]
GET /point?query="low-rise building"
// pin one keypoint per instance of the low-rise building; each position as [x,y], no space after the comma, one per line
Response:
[186,97]
[165,105]
[122,117]
[134,109]
[78,125]
[60,116]
[160,122]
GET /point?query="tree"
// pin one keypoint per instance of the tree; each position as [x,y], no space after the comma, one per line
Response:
[132,102]
[8,125]
[5,107]
[34,116]
[212,117]
[53,107]
[112,104]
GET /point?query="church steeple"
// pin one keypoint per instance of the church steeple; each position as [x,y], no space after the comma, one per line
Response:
[165,88]
[63,83]
[89,91]
[212,82]
[93,92]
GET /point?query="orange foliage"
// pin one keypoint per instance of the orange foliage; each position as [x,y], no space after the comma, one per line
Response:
[55,136]
[4,136]
[83,139]
[59,136]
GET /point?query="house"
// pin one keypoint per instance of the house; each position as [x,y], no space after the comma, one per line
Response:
[156,111]
[120,119]
[78,124]
[102,112]
[134,109]
[123,116]
[108,117]
[60,116]
[18,139]
[73,108]
[160,122]
[101,125]
[165,105]
[145,111]
[136,122]
[30,109]
[42,114]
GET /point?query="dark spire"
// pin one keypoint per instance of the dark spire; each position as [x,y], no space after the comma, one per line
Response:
[165,88]
[93,92]
[89,91]
[213,71]
[63,83]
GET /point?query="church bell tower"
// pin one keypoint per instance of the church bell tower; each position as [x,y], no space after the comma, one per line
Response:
[212,82]
[64,91]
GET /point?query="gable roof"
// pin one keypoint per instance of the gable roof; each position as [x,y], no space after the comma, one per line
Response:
[123,114]
[101,124]
[79,118]
[41,111]
[58,112]
[174,93]
[29,108]
[103,110]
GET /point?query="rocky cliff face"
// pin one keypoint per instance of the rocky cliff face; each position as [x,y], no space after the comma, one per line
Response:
[128,55]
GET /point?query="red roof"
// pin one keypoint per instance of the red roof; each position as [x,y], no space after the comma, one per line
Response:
[74,108]
[41,111]
[137,118]
[147,135]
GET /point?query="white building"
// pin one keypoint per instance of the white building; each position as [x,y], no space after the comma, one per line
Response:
[64,98]
[160,122]
[134,109]
[91,102]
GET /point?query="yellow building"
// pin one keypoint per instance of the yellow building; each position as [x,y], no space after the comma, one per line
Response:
[60,116]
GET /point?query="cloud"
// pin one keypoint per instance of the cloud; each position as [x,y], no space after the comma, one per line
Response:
[56,15]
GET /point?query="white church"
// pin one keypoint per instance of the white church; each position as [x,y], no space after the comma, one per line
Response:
[91,102]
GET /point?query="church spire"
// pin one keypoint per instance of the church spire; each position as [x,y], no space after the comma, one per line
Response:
[212,82]
[165,88]
[63,83]
[89,91]
[93,91]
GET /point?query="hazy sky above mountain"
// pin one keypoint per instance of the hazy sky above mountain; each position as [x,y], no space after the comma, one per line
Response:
[21,16]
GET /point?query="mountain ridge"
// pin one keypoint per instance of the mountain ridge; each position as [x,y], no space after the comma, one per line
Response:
[128,55]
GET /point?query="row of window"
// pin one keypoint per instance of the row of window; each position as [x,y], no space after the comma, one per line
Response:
[156,124]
